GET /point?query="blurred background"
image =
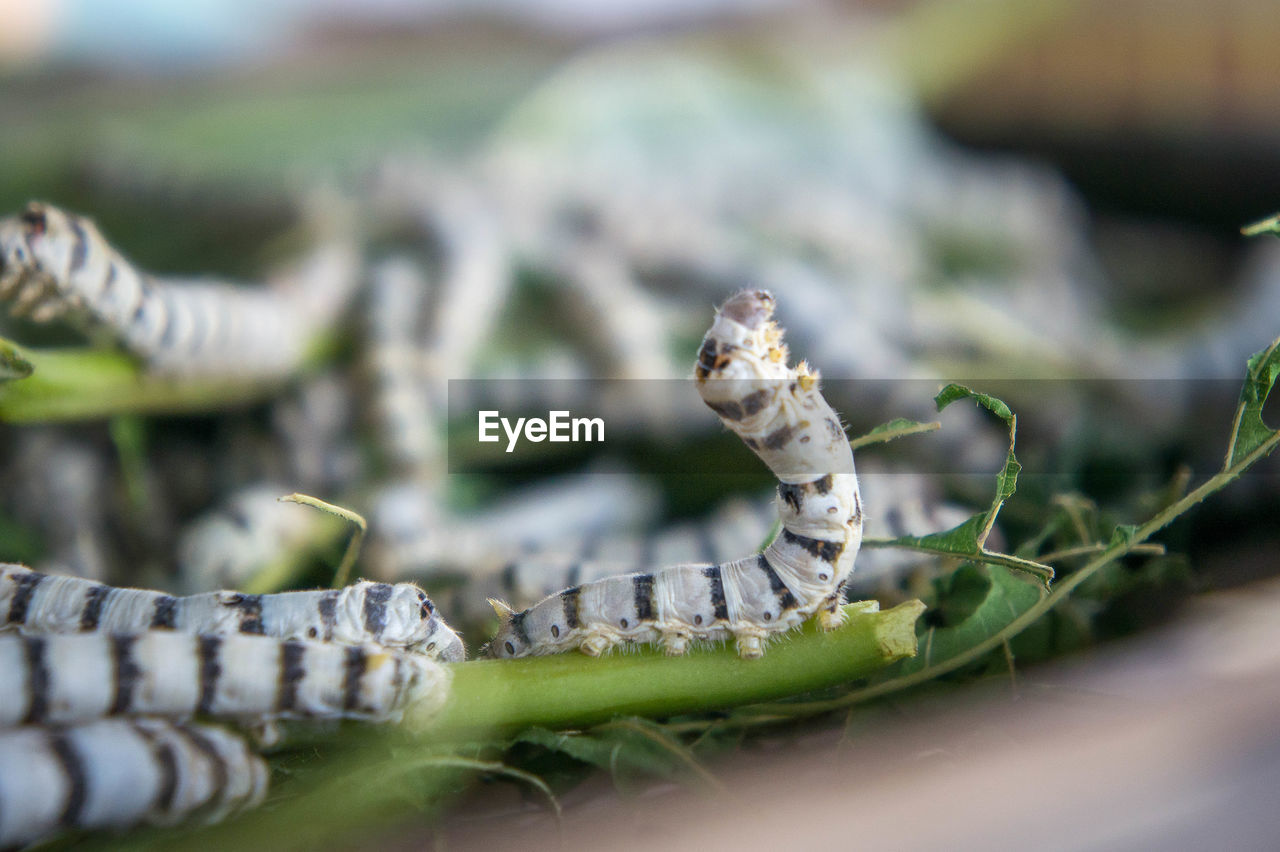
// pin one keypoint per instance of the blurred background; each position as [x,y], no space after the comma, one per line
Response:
[1043,193]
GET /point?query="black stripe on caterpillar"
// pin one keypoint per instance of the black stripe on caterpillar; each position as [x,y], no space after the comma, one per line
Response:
[396,616]
[114,773]
[64,679]
[780,413]
[55,264]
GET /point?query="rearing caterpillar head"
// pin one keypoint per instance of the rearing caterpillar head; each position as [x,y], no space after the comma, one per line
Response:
[744,342]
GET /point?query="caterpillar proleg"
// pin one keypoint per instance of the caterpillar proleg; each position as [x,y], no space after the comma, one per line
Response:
[54,264]
[396,616]
[114,773]
[779,412]
[64,679]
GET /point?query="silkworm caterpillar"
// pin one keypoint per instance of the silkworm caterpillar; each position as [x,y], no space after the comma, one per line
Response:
[64,679]
[779,413]
[396,616]
[114,773]
[54,264]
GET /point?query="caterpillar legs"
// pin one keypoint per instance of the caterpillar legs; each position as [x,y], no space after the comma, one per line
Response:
[596,644]
[750,645]
[675,643]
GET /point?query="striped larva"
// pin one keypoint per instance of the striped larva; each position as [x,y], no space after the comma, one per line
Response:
[114,773]
[54,264]
[779,412]
[69,678]
[396,616]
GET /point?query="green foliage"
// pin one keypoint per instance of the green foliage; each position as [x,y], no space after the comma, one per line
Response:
[12,364]
[899,427]
[1003,596]
[968,538]
[1250,431]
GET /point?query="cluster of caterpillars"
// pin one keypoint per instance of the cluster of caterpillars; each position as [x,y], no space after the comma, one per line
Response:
[779,412]
[76,654]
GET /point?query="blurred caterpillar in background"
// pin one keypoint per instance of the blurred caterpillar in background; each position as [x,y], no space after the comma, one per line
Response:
[779,413]
[63,679]
[55,264]
[114,773]
[398,397]
[397,616]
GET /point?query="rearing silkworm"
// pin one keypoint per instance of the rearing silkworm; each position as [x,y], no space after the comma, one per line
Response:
[396,616]
[779,413]
[114,773]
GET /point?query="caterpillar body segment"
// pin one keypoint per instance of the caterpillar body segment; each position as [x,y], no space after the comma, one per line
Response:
[779,412]
[56,264]
[70,678]
[114,773]
[396,616]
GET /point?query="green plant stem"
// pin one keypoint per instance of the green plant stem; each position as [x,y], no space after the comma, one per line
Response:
[1042,572]
[492,697]
[1097,547]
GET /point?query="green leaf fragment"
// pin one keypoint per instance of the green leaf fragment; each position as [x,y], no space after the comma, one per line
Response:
[1008,596]
[1250,431]
[1123,534]
[12,363]
[1007,479]
[899,427]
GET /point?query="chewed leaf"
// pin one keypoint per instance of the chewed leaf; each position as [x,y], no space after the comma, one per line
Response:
[1007,479]
[968,538]
[12,364]
[961,540]
[1250,431]
[1007,597]
[953,392]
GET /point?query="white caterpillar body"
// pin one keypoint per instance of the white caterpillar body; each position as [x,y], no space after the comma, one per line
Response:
[54,263]
[114,773]
[780,413]
[396,616]
[70,678]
